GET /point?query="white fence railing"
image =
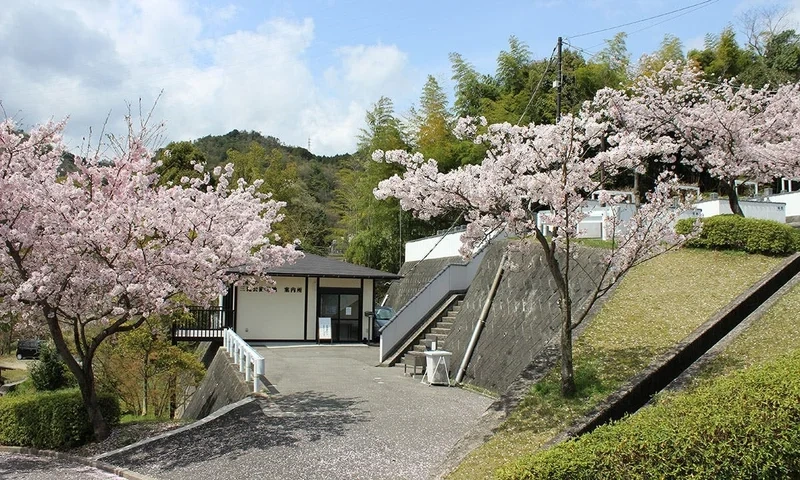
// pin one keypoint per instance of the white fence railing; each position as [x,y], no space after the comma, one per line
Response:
[250,362]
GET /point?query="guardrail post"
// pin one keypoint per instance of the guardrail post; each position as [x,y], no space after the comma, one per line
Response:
[259,371]
[250,362]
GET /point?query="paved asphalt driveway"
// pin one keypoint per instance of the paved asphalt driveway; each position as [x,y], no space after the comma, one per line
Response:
[335,415]
[19,466]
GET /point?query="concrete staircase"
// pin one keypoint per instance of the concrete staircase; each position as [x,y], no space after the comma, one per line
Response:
[437,331]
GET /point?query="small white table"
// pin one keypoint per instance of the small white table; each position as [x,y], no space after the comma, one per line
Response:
[437,367]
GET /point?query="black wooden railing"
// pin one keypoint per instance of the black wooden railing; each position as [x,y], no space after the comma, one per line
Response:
[203,323]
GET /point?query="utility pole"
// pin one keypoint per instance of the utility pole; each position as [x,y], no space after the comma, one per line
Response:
[559,82]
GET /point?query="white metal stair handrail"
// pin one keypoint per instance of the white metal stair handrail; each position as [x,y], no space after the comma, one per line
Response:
[452,278]
[250,362]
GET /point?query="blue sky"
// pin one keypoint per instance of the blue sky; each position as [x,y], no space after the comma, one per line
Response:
[292,69]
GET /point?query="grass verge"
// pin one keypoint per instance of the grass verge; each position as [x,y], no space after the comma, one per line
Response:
[774,335]
[655,306]
[15,375]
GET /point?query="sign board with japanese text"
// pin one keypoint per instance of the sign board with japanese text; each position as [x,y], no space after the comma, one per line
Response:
[324,329]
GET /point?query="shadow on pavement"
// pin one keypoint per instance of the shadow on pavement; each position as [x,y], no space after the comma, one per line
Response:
[283,420]
[22,466]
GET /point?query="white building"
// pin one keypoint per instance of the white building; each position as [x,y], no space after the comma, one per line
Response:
[314,287]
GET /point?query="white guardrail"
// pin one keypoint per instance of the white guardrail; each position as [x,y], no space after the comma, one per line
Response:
[250,362]
[453,277]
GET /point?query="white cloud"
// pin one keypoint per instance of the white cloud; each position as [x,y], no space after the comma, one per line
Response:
[368,70]
[694,43]
[86,58]
[794,13]
[224,14]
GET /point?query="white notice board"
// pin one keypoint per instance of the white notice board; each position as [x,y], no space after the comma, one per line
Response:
[324,328]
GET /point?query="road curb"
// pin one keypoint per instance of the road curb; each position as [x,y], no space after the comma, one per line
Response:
[120,472]
[195,424]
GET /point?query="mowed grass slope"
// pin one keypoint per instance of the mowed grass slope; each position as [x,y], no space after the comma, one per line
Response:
[656,305]
[737,418]
[774,335]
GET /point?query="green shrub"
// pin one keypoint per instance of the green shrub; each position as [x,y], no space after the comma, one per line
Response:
[732,232]
[51,419]
[49,372]
[745,425]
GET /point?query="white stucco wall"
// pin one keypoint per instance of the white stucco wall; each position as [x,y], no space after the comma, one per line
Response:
[431,247]
[764,210]
[792,201]
[448,247]
[272,315]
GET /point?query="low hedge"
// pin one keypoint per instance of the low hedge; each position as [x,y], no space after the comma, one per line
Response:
[51,420]
[745,425]
[732,232]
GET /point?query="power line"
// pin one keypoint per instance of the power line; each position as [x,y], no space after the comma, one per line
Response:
[538,85]
[701,6]
[591,54]
[698,4]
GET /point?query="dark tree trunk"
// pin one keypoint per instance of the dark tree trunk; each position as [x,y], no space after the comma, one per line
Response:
[173,397]
[733,199]
[84,375]
[567,370]
[89,394]
[561,280]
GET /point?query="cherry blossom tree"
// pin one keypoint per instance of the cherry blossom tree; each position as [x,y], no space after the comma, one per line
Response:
[537,182]
[99,250]
[733,132]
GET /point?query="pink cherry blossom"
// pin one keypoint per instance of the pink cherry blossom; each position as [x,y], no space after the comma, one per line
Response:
[733,132]
[544,175]
[102,248]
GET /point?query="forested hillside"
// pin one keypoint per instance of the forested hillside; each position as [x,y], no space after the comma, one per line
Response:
[330,205]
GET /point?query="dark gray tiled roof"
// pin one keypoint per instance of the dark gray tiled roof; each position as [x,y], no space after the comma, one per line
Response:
[317,266]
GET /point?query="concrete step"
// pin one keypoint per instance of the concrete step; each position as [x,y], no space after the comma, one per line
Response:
[440,330]
[434,336]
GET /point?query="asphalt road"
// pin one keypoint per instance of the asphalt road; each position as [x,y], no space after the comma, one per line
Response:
[335,415]
[19,466]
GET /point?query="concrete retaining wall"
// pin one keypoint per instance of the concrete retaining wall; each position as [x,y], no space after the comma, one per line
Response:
[524,317]
[206,351]
[415,276]
[222,385]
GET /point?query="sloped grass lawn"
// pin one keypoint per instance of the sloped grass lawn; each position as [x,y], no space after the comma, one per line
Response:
[15,375]
[774,335]
[741,425]
[18,370]
[655,306]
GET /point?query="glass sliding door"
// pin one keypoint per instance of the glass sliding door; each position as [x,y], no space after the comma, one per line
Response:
[344,309]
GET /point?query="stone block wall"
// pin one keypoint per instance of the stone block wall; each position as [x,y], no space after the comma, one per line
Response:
[415,276]
[222,385]
[523,319]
